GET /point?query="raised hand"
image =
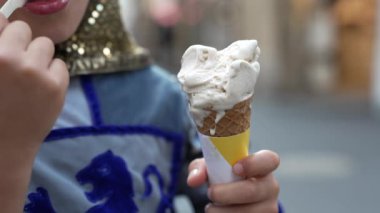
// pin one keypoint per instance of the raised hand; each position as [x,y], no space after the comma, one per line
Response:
[32,85]
[32,91]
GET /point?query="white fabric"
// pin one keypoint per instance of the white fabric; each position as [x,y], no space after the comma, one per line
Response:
[129,11]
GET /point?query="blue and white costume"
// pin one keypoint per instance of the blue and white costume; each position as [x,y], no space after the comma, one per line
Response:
[119,143]
[110,156]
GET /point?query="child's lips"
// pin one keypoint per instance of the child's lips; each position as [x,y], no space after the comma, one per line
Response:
[31,1]
[46,7]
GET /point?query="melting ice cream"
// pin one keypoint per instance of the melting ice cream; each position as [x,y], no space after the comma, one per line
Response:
[218,80]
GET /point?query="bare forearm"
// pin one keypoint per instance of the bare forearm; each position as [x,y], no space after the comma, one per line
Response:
[15,171]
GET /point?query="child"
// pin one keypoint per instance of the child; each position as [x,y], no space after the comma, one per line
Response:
[122,130]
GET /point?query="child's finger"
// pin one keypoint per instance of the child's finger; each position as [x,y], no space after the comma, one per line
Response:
[3,22]
[41,51]
[197,173]
[59,72]
[260,164]
[268,207]
[251,190]
[16,36]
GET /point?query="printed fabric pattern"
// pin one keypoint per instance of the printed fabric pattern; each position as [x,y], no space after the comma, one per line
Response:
[109,174]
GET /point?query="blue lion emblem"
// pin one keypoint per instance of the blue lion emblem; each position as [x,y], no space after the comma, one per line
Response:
[112,183]
[165,202]
[39,202]
[112,188]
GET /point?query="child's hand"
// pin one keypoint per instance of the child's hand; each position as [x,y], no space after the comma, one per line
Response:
[32,87]
[258,193]
[32,91]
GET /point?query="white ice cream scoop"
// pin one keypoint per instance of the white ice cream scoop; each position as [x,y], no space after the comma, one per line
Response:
[10,6]
[219,80]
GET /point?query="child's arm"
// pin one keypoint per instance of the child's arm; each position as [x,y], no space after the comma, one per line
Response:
[32,90]
[257,193]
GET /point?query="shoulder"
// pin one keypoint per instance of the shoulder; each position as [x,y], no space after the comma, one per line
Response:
[161,78]
[149,96]
[159,85]
[151,79]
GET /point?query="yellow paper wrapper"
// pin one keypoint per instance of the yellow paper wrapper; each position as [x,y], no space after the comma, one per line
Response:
[221,153]
[233,148]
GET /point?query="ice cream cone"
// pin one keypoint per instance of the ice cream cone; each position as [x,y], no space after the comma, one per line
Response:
[220,86]
[235,121]
[228,141]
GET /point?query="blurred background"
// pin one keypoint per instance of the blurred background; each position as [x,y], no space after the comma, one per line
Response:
[317,101]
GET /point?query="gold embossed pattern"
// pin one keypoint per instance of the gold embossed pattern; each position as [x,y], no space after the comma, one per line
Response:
[100,45]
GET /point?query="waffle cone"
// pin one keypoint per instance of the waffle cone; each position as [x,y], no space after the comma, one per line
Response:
[235,121]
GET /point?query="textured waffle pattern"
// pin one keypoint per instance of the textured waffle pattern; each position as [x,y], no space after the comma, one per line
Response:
[235,121]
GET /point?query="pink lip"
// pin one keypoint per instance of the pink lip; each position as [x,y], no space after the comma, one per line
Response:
[46,7]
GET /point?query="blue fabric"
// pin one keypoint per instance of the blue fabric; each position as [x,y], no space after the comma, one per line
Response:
[141,113]
[280,208]
[166,200]
[39,202]
[149,97]
[65,133]
[92,100]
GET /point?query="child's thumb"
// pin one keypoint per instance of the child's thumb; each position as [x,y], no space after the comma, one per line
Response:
[3,22]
